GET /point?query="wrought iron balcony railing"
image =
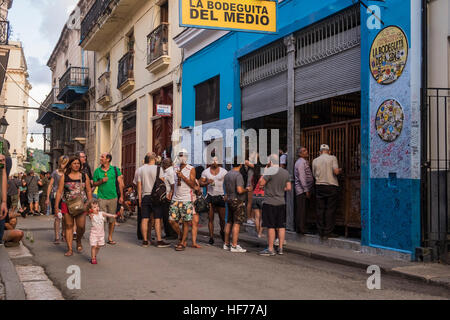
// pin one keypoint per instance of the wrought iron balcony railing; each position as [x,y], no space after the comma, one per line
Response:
[104,85]
[4,32]
[74,76]
[157,42]
[99,8]
[49,100]
[126,64]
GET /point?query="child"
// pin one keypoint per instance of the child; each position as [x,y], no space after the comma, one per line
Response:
[97,236]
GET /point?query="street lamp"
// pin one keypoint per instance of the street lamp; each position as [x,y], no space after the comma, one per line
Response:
[3,125]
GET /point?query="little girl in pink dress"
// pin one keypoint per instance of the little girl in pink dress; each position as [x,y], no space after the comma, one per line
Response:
[97,236]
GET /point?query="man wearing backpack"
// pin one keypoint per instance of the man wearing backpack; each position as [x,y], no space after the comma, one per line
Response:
[151,190]
[109,181]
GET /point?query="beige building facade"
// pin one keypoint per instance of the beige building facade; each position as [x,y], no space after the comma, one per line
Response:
[15,94]
[138,72]
[64,113]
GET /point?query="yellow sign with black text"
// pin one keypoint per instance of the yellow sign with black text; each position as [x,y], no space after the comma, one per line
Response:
[245,15]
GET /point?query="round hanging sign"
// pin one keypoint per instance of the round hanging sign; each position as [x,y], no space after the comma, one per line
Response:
[389,120]
[388,55]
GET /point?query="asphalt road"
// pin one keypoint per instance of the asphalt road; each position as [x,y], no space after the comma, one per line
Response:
[129,271]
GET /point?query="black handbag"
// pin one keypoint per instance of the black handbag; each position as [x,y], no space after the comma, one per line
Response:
[158,195]
[201,205]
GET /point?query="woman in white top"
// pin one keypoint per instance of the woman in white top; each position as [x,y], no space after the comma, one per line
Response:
[213,177]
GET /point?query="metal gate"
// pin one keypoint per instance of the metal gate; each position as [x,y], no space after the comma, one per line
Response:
[435,171]
[344,140]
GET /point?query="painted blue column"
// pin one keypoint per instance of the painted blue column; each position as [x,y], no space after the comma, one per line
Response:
[390,171]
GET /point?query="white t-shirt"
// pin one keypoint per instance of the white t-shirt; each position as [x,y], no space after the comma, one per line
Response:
[169,178]
[147,176]
[136,175]
[182,193]
[217,188]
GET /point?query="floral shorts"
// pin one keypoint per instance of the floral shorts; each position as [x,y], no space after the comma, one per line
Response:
[180,210]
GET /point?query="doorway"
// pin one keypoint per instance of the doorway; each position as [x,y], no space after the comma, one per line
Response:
[336,122]
[129,144]
[162,125]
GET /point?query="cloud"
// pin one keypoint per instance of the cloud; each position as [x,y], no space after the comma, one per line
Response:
[39,72]
[55,16]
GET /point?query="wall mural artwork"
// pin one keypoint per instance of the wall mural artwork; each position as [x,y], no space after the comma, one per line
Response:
[389,120]
[388,55]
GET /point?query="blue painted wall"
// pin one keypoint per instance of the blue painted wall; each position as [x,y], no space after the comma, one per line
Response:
[390,209]
[221,57]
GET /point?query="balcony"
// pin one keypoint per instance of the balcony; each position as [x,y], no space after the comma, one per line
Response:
[103,20]
[125,76]
[50,102]
[104,89]
[73,84]
[4,32]
[158,48]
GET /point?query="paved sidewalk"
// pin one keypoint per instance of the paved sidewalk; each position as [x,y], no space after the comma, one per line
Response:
[22,279]
[346,252]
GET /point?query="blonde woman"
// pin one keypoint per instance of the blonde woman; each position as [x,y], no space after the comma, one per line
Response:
[51,196]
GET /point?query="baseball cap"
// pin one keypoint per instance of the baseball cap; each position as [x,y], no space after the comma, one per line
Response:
[324,147]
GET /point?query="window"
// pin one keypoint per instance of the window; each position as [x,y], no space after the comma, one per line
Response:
[207,100]
[164,16]
[108,63]
[130,42]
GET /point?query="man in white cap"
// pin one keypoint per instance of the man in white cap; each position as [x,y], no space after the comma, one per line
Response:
[182,205]
[325,171]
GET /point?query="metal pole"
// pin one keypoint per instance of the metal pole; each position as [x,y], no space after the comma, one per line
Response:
[289,42]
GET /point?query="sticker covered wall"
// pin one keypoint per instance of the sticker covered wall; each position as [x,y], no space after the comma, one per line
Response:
[390,195]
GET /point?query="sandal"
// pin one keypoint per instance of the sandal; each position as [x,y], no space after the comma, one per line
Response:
[79,248]
[196,246]
[68,253]
[112,242]
[93,261]
[180,247]
[57,241]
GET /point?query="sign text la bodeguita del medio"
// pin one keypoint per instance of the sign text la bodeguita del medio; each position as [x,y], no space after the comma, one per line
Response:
[248,15]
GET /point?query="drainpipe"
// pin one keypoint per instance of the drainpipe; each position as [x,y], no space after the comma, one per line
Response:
[424,125]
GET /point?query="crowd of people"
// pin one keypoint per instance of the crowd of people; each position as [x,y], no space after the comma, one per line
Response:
[171,197]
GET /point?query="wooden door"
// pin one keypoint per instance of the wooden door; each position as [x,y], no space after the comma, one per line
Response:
[343,139]
[128,155]
[162,126]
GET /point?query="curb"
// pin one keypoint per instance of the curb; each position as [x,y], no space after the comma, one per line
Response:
[13,287]
[343,261]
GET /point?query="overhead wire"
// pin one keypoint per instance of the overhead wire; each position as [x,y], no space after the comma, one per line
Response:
[46,108]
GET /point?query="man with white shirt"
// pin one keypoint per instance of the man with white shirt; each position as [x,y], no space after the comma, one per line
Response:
[182,205]
[169,180]
[213,177]
[325,170]
[146,179]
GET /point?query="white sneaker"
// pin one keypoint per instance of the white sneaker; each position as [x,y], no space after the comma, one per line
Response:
[238,248]
[225,247]
[276,242]
[251,222]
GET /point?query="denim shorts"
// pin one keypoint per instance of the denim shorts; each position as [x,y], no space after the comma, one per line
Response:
[257,202]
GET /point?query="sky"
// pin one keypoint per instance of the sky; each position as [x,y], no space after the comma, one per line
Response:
[38,24]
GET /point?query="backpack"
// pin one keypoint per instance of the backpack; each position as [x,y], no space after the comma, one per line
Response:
[158,195]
